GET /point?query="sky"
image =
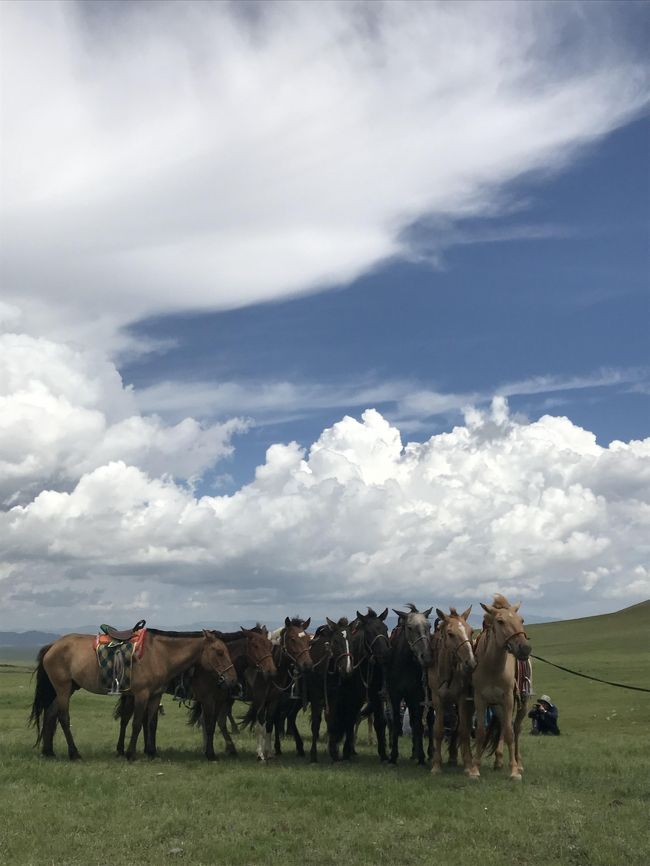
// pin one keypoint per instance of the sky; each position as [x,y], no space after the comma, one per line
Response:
[306,307]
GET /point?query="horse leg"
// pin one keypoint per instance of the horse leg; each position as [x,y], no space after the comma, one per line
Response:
[508,734]
[438,736]
[464,733]
[379,724]
[234,727]
[151,727]
[209,723]
[126,711]
[475,770]
[292,728]
[222,721]
[522,707]
[50,721]
[316,716]
[261,740]
[370,722]
[63,693]
[505,721]
[395,730]
[415,714]
[139,712]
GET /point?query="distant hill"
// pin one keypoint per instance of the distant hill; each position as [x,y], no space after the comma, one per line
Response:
[26,638]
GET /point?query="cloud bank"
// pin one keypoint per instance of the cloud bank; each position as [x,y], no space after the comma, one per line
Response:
[188,156]
[538,510]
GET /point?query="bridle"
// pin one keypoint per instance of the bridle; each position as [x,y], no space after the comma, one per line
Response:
[293,658]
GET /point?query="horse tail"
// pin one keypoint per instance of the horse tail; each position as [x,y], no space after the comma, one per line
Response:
[195,714]
[492,735]
[251,716]
[120,707]
[44,693]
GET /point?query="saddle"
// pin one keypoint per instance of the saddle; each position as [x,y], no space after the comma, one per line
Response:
[125,635]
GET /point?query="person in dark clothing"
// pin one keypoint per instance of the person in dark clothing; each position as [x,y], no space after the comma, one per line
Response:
[544,716]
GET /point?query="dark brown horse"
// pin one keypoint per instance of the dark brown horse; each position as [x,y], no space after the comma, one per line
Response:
[292,659]
[70,663]
[450,683]
[248,649]
[407,678]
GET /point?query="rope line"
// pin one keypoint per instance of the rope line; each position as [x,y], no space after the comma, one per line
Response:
[587,677]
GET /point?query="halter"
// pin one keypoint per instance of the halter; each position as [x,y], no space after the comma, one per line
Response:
[258,663]
[417,640]
[370,645]
[462,643]
[294,659]
[221,674]
[516,634]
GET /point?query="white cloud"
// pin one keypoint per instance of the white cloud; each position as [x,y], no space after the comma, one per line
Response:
[165,156]
[495,503]
[65,412]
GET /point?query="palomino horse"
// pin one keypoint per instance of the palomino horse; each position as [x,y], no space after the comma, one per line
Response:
[247,649]
[450,683]
[269,697]
[411,646]
[331,653]
[70,663]
[371,669]
[497,648]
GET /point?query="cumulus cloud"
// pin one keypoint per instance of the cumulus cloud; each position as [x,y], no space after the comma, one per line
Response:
[496,503]
[163,156]
[65,412]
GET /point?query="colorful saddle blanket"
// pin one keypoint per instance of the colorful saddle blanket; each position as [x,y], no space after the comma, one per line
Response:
[115,660]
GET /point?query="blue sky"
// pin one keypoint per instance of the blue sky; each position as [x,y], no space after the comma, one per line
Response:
[558,287]
[312,305]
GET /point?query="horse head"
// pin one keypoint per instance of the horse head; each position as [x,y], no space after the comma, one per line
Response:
[508,626]
[417,631]
[216,658]
[375,635]
[259,651]
[340,646]
[295,642]
[456,635]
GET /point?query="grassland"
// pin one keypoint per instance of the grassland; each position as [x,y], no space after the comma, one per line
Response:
[585,798]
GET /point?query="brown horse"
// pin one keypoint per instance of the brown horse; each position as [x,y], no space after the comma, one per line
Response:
[70,663]
[270,698]
[249,650]
[450,684]
[497,648]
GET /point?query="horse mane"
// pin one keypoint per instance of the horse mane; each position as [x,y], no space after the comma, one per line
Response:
[297,621]
[371,612]
[343,622]
[453,611]
[412,607]
[500,601]
[165,633]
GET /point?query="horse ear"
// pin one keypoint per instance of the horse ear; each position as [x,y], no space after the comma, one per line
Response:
[441,615]
[488,609]
[428,611]
[400,613]
[516,607]
[360,617]
[330,623]
[382,616]
[207,634]
[305,624]
[287,622]
[465,614]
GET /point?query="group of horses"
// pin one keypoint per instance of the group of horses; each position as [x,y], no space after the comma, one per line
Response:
[446,677]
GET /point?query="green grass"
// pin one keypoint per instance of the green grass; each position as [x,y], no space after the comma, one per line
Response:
[584,799]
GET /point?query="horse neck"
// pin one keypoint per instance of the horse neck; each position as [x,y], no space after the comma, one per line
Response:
[444,661]
[488,652]
[182,652]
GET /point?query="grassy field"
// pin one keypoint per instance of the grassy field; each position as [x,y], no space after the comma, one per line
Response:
[585,798]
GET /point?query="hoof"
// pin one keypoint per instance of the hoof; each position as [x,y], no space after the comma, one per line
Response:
[212,758]
[130,757]
[516,777]
[436,770]
[74,756]
[48,754]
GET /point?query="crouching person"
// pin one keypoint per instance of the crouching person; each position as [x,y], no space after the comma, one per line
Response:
[544,716]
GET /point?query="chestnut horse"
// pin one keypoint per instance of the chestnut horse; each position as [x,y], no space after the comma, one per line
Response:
[450,683]
[70,663]
[497,648]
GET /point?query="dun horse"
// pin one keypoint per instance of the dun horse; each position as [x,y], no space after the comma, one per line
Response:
[502,641]
[70,663]
[247,649]
[450,685]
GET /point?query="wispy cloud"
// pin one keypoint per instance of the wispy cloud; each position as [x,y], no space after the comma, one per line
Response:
[168,156]
[404,402]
